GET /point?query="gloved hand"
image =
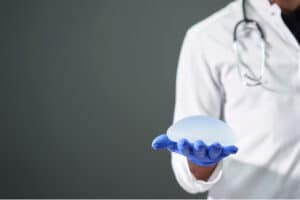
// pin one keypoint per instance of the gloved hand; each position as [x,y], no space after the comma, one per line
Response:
[198,153]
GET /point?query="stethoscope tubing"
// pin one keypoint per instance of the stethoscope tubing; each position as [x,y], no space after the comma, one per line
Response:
[246,79]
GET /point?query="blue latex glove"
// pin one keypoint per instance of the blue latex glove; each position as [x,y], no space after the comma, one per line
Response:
[198,153]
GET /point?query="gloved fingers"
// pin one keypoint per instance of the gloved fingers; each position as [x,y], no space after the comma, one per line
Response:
[215,151]
[184,147]
[162,142]
[200,149]
[229,150]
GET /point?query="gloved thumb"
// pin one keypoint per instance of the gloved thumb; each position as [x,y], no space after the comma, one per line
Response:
[161,142]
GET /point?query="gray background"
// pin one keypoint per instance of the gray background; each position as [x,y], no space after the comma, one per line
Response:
[85,87]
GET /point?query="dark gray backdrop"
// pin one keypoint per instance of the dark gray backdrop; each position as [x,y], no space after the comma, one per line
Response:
[85,87]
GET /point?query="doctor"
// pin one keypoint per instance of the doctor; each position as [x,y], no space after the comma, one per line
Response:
[255,88]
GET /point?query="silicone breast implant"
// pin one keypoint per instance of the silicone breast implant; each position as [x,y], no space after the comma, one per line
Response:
[207,129]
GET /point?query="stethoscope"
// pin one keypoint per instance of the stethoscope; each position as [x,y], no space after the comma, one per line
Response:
[249,80]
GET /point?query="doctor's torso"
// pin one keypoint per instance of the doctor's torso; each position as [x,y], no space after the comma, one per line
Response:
[266,118]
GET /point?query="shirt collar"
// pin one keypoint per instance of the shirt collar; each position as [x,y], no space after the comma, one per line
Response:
[264,7]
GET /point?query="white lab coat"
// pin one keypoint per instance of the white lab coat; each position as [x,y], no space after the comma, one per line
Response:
[266,119]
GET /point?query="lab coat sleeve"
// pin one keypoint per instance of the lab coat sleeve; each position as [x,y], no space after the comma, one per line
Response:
[187,180]
[198,92]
